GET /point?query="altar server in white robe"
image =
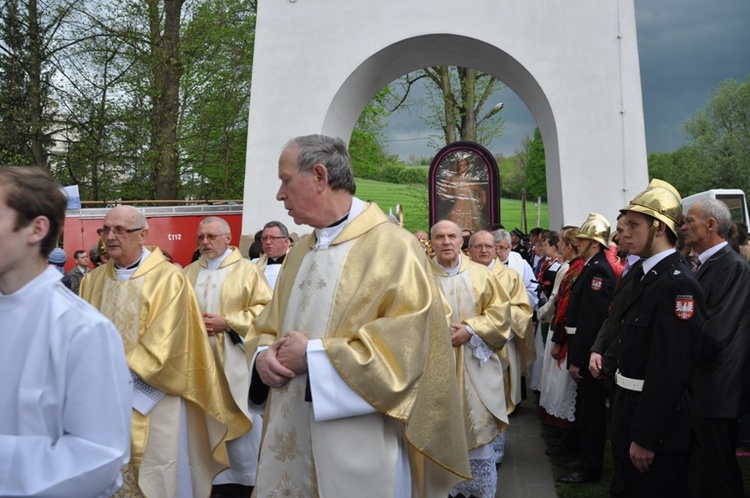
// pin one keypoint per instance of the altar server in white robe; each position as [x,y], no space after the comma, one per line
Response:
[65,393]
[480,327]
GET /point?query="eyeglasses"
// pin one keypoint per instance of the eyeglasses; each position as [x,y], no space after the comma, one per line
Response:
[267,238]
[487,247]
[209,236]
[118,230]
[502,248]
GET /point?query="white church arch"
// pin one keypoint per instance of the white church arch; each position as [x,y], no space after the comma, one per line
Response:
[575,65]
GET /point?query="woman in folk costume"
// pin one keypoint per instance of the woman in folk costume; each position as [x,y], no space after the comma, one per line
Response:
[548,268]
[558,393]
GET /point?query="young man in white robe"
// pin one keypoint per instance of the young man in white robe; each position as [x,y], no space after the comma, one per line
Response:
[480,327]
[353,360]
[231,292]
[66,391]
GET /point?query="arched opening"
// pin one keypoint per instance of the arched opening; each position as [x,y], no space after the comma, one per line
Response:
[408,55]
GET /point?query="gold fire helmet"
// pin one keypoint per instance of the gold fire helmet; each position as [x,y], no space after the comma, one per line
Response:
[596,228]
[660,200]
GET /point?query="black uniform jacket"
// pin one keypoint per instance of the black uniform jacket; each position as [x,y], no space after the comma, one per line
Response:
[607,341]
[588,306]
[720,383]
[659,342]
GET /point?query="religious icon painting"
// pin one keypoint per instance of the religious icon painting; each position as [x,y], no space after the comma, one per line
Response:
[464,187]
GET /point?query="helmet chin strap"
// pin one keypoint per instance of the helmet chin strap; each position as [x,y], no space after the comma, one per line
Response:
[648,251]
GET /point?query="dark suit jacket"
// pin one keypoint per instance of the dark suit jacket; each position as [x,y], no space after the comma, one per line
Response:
[659,338]
[587,308]
[720,383]
[607,341]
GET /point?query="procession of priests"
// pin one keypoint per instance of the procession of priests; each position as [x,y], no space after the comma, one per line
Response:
[357,360]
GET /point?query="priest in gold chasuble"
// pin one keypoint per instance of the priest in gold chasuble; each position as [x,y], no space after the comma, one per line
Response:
[352,356]
[182,406]
[231,292]
[480,327]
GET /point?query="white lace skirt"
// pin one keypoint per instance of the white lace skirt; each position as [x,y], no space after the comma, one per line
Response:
[558,390]
[536,367]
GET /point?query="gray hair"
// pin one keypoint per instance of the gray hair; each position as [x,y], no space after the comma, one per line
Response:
[282,228]
[221,221]
[502,236]
[330,152]
[714,208]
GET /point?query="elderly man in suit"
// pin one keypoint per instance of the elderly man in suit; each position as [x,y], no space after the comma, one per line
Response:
[719,384]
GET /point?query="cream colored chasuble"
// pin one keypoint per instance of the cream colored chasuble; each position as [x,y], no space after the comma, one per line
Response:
[243,451]
[300,457]
[482,386]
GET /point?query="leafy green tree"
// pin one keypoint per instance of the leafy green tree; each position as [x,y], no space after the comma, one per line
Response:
[217,52]
[536,172]
[718,155]
[721,133]
[365,147]
[458,101]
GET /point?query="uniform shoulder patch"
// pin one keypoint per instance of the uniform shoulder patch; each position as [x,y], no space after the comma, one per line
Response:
[596,283]
[684,307]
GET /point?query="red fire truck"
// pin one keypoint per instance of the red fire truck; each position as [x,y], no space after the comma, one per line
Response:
[171,228]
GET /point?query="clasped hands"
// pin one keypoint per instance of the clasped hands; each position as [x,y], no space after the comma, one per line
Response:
[284,360]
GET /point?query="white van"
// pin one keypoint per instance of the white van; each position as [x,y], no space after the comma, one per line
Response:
[734,199]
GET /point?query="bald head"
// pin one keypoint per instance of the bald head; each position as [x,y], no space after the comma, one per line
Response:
[125,232]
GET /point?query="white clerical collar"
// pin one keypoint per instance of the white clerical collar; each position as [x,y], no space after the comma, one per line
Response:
[215,263]
[703,257]
[492,264]
[450,271]
[327,235]
[651,262]
[126,273]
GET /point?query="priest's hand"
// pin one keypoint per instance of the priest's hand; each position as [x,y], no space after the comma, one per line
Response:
[271,371]
[595,365]
[293,353]
[214,323]
[460,335]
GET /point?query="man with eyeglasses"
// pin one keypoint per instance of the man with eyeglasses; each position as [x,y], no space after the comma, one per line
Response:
[513,357]
[482,250]
[182,409]
[231,293]
[276,243]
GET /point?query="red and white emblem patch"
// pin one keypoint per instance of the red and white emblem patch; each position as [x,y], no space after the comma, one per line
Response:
[684,307]
[596,283]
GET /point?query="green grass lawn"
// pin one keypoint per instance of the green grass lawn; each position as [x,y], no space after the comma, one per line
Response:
[414,202]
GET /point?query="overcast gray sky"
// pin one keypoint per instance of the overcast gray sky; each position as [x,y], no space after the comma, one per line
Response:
[686,48]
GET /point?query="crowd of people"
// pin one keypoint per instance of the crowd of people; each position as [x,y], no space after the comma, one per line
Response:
[362,359]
